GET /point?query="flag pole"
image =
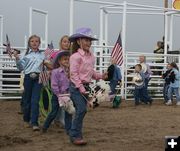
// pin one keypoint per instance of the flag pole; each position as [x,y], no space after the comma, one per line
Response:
[123,91]
[165,29]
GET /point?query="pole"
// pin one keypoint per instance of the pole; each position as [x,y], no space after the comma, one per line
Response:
[101,38]
[165,30]
[30,21]
[71,21]
[123,46]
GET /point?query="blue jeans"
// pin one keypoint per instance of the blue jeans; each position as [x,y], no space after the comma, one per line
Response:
[145,91]
[31,98]
[60,116]
[165,92]
[113,84]
[172,90]
[140,95]
[81,108]
[52,115]
[22,103]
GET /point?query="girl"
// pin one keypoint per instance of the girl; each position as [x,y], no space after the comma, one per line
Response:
[81,72]
[174,84]
[31,64]
[166,78]
[59,85]
[64,44]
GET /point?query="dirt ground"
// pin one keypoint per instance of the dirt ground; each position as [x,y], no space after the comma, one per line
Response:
[128,128]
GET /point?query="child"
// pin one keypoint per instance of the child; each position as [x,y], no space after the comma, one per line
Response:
[174,84]
[31,64]
[59,85]
[139,81]
[64,44]
[114,76]
[81,72]
[166,77]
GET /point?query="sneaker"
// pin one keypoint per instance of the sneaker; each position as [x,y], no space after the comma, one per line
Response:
[169,102]
[36,128]
[79,141]
[178,103]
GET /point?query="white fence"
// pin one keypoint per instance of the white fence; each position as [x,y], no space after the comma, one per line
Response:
[12,81]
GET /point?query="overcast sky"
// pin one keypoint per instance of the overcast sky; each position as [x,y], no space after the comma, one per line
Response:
[142,31]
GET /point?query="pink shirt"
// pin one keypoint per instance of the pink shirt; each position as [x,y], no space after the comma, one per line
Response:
[82,69]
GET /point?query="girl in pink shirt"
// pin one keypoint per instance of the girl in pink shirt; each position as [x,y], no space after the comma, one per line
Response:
[81,73]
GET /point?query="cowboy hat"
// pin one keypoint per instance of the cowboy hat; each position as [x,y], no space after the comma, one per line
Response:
[82,33]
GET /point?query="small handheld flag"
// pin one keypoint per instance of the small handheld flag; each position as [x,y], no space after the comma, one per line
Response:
[48,52]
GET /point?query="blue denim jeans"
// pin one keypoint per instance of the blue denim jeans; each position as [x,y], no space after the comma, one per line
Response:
[137,95]
[165,92]
[145,90]
[113,84]
[52,115]
[140,95]
[80,104]
[60,116]
[31,98]
[172,90]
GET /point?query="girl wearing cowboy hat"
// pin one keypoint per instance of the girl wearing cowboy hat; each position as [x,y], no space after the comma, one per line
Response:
[82,72]
[59,85]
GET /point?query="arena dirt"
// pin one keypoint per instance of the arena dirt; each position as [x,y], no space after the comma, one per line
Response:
[128,128]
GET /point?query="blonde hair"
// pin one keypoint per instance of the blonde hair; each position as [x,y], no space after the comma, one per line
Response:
[62,38]
[31,37]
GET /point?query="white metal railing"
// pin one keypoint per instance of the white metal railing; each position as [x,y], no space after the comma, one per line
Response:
[13,91]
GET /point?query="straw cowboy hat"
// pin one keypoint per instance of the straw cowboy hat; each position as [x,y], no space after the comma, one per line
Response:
[82,33]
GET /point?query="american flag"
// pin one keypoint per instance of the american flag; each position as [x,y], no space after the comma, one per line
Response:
[117,52]
[48,52]
[8,46]
[44,76]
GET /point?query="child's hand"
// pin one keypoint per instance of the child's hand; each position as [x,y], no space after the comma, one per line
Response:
[105,76]
[16,55]
[82,90]
[63,100]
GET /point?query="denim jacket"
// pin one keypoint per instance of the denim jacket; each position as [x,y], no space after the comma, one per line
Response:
[176,83]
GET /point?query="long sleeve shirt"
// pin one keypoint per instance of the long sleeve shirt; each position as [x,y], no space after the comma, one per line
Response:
[82,69]
[146,70]
[176,83]
[31,62]
[59,81]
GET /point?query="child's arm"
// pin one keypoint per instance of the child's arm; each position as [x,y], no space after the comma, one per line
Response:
[48,64]
[74,72]
[21,62]
[97,75]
